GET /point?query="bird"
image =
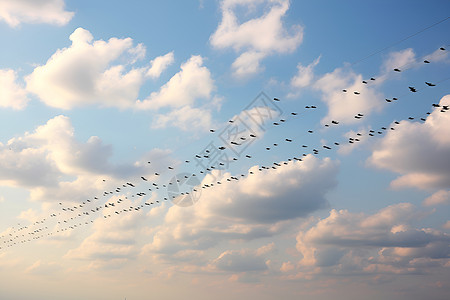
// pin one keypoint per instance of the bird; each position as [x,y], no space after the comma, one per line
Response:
[426,61]
[356,92]
[276,99]
[212,130]
[294,113]
[365,82]
[397,70]
[345,91]
[429,84]
[275,123]
[335,122]
[412,89]
[310,131]
[288,140]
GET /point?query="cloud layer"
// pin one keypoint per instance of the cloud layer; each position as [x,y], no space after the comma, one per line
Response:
[31,11]
[418,151]
[256,38]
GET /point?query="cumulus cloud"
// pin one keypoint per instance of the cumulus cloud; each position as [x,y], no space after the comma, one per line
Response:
[186,118]
[84,74]
[440,197]
[399,59]
[14,12]
[41,161]
[248,63]
[12,94]
[343,106]
[255,38]
[305,75]
[418,151]
[252,207]
[347,243]
[184,88]
[159,64]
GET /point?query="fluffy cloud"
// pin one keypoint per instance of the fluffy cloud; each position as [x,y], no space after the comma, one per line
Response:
[440,197]
[305,75]
[343,106]
[191,83]
[159,64]
[347,242]
[43,159]
[186,118]
[254,206]
[402,60]
[14,12]
[83,74]
[11,94]
[418,151]
[255,38]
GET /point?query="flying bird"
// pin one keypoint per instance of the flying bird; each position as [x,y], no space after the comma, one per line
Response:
[429,84]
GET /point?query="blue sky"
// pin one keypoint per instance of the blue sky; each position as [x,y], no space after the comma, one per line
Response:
[143,153]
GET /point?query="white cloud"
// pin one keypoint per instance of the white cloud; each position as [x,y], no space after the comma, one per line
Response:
[254,206]
[343,106]
[248,63]
[41,160]
[11,93]
[159,64]
[400,59]
[418,151]
[14,12]
[354,243]
[186,118]
[305,75]
[255,38]
[83,74]
[440,197]
[184,88]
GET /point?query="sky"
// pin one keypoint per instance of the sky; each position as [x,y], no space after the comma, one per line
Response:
[234,149]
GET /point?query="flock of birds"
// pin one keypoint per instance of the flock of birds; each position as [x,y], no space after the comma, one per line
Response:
[183,190]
